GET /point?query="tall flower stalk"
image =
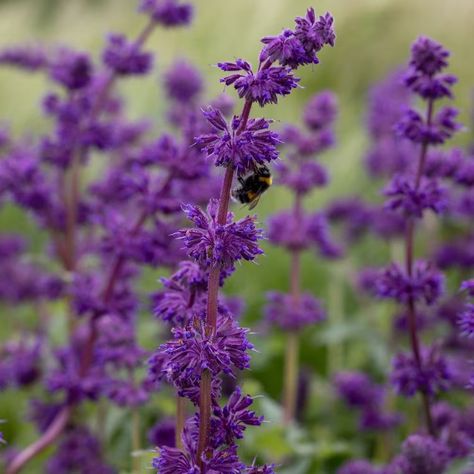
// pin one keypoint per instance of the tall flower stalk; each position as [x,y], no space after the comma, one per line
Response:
[298,230]
[210,342]
[413,195]
[44,177]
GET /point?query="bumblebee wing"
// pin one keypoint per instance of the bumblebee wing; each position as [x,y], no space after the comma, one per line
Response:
[254,202]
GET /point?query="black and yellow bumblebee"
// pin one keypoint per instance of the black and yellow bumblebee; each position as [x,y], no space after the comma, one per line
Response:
[253,186]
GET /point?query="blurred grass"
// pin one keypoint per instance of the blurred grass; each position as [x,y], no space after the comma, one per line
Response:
[373,37]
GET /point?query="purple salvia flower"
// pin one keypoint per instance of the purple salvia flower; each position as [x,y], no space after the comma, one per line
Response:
[29,58]
[79,450]
[215,245]
[426,283]
[310,231]
[321,110]
[466,321]
[287,49]
[433,377]
[163,433]
[422,455]
[443,126]
[71,69]
[358,466]
[193,350]
[315,33]
[428,56]
[169,13]
[124,58]
[183,82]
[468,286]
[357,390]
[234,417]
[304,178]
[262,87]
[244,149]
[289,315]
[413,200]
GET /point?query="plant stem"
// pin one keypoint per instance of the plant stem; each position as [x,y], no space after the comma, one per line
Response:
[411,306]
[205,390]
[47,438]
[136,445]
[180,419]
[68,254]
[291,377]
[292,343]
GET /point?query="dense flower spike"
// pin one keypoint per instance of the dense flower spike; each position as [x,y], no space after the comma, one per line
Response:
[357,389]
[215,245]
[204,347]
[290,315]
[434,375]
[106,199]
[71,69]
[124,58]
[263,86]
[183,82]
[79,451]
[295,229]
[421,455]
[169,13]
[413,201]
[95,235]
[234,417]
[426,283]
[241,149]
[193,350]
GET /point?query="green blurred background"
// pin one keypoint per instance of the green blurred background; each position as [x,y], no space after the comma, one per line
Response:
[373,38]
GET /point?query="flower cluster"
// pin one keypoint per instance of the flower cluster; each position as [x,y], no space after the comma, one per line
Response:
[360,393]
[422,178]
[297,230]
[97,232]
[240,148]
[219,245]
[207,341]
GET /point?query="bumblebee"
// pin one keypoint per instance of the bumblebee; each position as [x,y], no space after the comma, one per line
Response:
[253,186]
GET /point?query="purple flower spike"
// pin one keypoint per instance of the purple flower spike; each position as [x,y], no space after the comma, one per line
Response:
[71,69]
[291,315]
[193,350]
[428,56]
[262,87]
[183,82]
[242,149]
[426,283]
[422,455]
[358,466]
[314,34]
[163,433]
[357,390]
[169,13]
[234,418]
[211,244]
[29,58]
[412,201]
[124,57]
[287,49]
[321,110]
[468,286]
[434,376]
[466,321]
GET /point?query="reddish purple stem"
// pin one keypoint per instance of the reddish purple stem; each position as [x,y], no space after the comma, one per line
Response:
[411,306]
[212,296]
